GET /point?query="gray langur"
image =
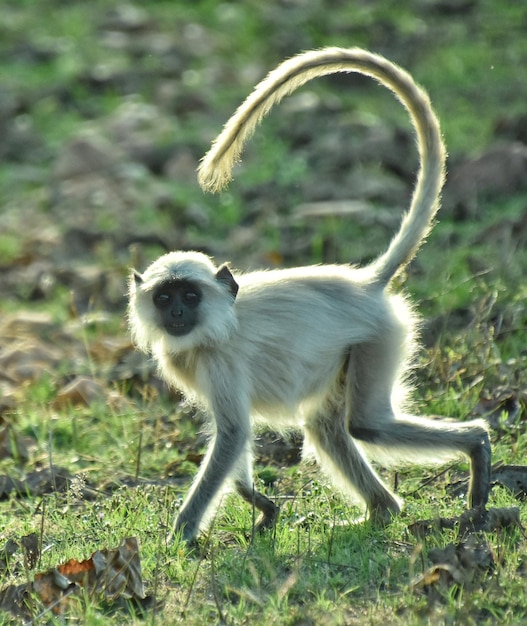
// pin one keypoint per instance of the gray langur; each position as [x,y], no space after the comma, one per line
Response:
[324,348]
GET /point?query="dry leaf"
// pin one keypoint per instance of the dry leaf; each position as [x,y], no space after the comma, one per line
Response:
[486,520]
[31,547]
[471,554]
[118,572]
[6,553]
[76,571]
[109,348]
[81,391]
[112,574]
[36,483]
[500,408]
[514,477]
[438,575]
[53,590]
[29,359]
[24,323]
[456,564]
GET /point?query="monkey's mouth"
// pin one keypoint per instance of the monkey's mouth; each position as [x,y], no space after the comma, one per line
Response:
[178,329]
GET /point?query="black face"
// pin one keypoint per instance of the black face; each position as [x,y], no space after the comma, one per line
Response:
[177,302]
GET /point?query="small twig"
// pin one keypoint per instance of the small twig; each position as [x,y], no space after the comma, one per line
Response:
[430,479]
[50,448]
[253,517]
[41,538]
[157,569]
[200,561]
[214,586]
[138,462]
[253,530]
[331,537]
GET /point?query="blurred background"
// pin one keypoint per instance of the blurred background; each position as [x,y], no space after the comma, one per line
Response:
[107,107]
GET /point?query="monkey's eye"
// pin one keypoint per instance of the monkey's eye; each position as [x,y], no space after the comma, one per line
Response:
[191,297]
[162,299]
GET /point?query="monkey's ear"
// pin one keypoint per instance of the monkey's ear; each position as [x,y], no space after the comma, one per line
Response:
[224,276]
[137,277]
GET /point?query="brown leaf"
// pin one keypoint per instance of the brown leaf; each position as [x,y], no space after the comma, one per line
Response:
[442,574]
[514,477]
[455,564]
[15,600]
[30,545]
[81,391]
[85,391]
[109,348]
[486,520]
[76,571]
[53,590]
[7,400]
[24,323]
[118,572]
[36,483]
[194,457]
[6,553]
[112,573]
[29,359]
[470,554]
[500,408]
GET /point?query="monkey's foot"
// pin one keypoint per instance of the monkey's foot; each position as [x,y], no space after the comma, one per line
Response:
[267,518]
[184,529]
[269,510]
[380,515]
[481,473]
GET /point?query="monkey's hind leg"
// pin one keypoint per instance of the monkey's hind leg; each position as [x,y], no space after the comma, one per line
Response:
[425,439]
[347,466]
[372,375]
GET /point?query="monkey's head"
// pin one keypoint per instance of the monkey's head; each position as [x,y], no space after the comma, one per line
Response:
[181,302]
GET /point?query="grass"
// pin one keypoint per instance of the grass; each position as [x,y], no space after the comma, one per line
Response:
[319,564]
[133,451]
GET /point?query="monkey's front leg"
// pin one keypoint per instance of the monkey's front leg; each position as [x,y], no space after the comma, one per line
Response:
[223,453]
[245,488]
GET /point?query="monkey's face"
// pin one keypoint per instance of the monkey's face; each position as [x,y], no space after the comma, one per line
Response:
[181,302]
[177,303]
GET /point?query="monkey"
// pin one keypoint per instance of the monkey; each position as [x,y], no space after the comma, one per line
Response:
[324,348]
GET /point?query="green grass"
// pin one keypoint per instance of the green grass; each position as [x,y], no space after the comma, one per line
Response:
[319,563]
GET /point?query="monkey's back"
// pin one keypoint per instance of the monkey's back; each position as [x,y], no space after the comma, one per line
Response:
[296,327]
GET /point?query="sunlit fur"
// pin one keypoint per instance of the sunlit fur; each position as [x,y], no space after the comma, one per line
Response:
[326,348]
[212,328]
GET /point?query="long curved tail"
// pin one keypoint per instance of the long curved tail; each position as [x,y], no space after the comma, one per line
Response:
[215,169]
